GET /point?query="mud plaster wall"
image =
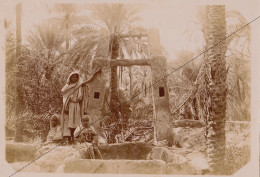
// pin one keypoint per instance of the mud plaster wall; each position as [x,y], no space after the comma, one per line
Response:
[98,86]
[162,106]
[94,106]
[154,41]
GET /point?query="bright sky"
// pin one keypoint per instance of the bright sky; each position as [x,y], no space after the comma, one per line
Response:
[172,18]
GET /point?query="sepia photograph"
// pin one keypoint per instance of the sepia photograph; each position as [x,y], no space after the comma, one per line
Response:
[128,87]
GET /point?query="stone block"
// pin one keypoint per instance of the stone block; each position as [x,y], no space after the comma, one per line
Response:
[190,138]
[19,152]
[114,166]
[162,153]
[50,161]
[130,151]
[181,161]
[182,168]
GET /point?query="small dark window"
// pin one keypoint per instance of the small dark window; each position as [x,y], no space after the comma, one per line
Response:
[96,95]
[161,91]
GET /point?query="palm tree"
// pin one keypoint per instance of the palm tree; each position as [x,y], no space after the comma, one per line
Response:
[216,87]
[181,84]
[238,61]
[237,58]
[86,47]
[46,40]
[69,19]
[117,18]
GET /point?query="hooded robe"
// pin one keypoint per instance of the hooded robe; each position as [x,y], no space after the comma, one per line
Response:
[72,102]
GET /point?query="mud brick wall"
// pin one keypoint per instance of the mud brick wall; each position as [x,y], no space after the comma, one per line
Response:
[163,122]
[154,41]
[96,93]
[95,90]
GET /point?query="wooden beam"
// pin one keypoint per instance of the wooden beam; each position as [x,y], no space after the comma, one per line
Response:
[139,62]
[122,62]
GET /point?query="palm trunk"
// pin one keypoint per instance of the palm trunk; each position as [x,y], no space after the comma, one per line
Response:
[216,87]
[114,101]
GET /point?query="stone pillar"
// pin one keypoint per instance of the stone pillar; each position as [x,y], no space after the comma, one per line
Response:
[161,98]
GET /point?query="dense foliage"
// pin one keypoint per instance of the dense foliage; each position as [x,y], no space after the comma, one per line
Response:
[69,42]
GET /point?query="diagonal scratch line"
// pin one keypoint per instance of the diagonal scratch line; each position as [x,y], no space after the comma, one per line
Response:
[164,77]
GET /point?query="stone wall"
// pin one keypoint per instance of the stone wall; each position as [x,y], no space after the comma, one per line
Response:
[142,158]
[181,161]
[190,133]
[161,161]
[114,166]
[130,151]
[18,152]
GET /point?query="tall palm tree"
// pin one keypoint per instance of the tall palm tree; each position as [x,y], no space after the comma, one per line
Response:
[216,86]
[46,39]
[117,18]
[69,19]
[237,58]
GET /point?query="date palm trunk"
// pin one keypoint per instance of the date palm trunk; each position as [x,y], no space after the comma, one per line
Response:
[216,87]
[114,100]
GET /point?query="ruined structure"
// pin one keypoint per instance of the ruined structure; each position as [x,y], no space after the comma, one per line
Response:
[158,65]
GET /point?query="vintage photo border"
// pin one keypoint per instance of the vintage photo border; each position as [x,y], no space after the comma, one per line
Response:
[251,169]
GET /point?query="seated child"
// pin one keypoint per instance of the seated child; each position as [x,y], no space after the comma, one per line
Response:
[84,135]
[54,135]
